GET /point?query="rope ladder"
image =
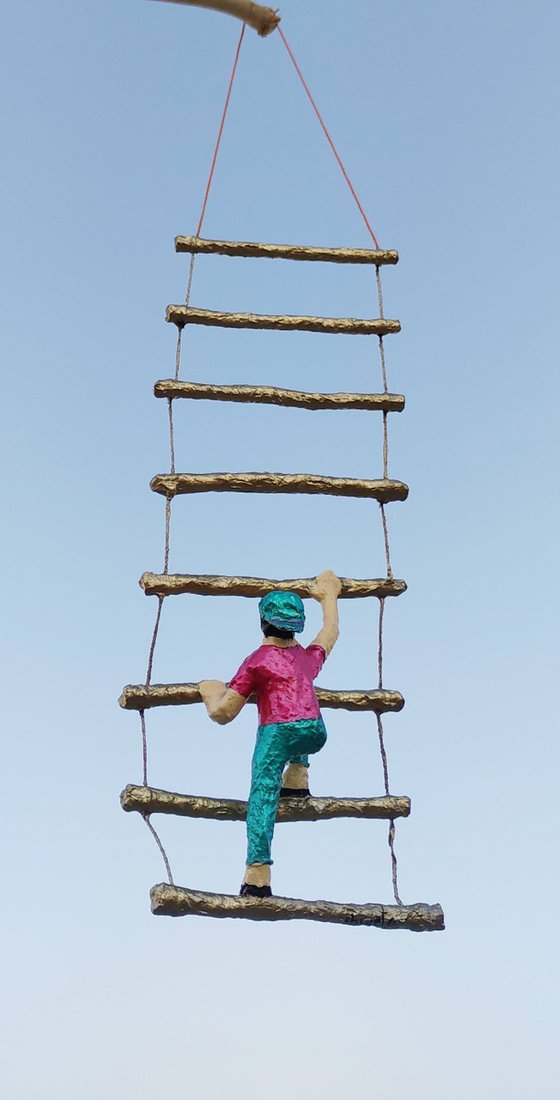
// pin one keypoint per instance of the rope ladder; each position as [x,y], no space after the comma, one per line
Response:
[168,898]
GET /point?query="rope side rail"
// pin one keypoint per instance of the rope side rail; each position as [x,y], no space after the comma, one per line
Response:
[174,584]
[382,489]
[177,901]
[275,395]
[145,696]
[148,800]
[253,249]
[188,315]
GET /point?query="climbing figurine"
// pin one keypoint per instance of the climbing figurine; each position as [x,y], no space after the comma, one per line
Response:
[280,673]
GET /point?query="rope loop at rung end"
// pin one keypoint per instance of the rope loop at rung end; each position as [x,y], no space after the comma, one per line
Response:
[171,389]
[254,250]
[177,901]
[149,800]
[143,697]
[174,584]
[353,326]
[383,490]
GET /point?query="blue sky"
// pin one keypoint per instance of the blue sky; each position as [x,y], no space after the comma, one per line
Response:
[446,117]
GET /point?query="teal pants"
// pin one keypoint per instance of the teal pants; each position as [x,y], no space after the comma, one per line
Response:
[277,745]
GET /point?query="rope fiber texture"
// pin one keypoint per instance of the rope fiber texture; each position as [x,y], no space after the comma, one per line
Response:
[178,355]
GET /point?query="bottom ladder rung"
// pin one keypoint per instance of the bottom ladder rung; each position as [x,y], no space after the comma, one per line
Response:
[177,901]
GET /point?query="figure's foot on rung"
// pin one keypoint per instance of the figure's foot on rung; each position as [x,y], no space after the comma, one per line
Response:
[295,781]
[249,891]
[177,901]
[256,878]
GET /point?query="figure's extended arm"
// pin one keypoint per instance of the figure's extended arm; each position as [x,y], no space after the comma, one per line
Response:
[326,591]
[222,704]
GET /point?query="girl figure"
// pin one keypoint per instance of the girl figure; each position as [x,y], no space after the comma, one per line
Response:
[280,673]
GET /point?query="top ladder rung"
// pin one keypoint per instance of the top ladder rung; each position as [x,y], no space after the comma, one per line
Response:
[377,256]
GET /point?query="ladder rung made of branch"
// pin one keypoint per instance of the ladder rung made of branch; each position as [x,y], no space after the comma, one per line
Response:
[353,326]
[383,490]
[174,584]
[250,249]
[144,697]
[177,901]
[148,800]
[275,395]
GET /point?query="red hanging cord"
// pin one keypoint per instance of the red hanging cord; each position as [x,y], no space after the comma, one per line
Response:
[221,130]
[328,137]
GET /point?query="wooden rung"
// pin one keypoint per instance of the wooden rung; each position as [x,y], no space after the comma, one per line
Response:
[147,800]
[174,584]
[354,326]
[378,256]
[140,697]
[176,901]
[274,395]
[383,489]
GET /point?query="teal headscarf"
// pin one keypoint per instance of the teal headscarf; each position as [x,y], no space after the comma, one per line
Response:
[284,610]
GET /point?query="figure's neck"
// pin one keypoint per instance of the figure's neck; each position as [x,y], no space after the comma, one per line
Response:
[282,643]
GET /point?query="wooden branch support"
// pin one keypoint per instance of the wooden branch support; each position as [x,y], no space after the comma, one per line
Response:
[274,395]
[148,800]
[261,19]
[174,584]
[382,490]
[141,697]
[188,315]
[176,901]
[252,249]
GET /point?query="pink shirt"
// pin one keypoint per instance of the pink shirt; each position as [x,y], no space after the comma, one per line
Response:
[282,680]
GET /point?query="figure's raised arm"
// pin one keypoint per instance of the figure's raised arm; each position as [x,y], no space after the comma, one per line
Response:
[326,591]
[222,703]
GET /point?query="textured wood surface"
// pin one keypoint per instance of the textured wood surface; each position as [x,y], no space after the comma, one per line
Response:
[382,489]
[140,697]
[275,395]
[262,19]
[172,584]
[254,249]
[148,800]
[176,901]
[352,326]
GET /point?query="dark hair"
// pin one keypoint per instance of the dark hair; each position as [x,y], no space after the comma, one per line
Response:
[271,631]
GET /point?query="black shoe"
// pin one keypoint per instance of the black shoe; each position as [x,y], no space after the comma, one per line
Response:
[295,792]
[249,891]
